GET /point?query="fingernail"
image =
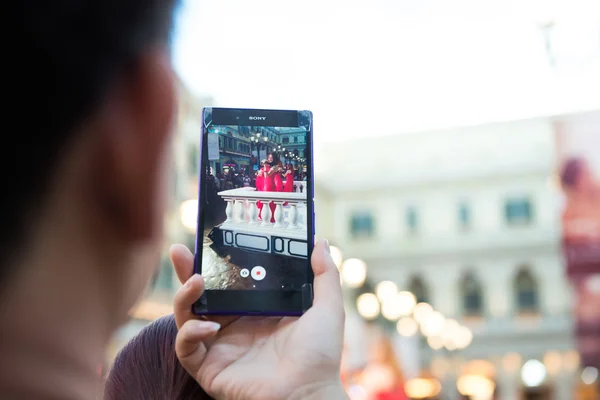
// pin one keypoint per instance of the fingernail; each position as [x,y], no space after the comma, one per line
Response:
[212,326]
[327,246]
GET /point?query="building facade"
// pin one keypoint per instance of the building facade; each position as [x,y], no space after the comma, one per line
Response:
[243,147]
[469,221]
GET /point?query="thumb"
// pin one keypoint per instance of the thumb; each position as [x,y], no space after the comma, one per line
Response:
[327,287]
[183,262]
[189,343]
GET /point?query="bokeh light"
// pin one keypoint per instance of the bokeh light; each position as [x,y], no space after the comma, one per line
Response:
[189,215]
[354,272]
[433,324]
[422,311]
[407,327]
[336,255]
[386,291]
[368,306]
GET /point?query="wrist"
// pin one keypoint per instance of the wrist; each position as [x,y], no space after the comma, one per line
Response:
[321,391]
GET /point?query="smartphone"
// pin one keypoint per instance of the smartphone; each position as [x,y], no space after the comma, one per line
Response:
[255,230]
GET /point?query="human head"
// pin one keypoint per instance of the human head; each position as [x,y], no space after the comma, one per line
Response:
[576,174]
[264,162]
[83,218]
[270,157]
[148,368]
[290,167]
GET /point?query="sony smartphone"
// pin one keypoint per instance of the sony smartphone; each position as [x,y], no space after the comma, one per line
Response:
[255,230]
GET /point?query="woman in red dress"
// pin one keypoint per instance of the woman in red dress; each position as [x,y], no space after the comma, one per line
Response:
[260,185]
[269,171]
[289,179]
[277,177]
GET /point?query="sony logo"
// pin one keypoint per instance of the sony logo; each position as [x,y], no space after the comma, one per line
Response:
[257,118]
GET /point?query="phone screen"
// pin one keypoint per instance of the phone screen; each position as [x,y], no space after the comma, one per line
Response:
[255,225]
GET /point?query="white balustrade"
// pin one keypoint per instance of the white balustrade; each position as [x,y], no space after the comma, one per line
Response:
[265,215]
[289,209]
[229,210]
[252,212]
[299,187]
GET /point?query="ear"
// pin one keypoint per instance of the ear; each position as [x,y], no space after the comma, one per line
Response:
[131,162]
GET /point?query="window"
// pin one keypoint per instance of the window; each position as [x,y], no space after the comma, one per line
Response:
[285,140]
[417,287]
[518,211]
[362,225]
[526,292]
[412,220]
[464,215]
[295,139]
[472,296]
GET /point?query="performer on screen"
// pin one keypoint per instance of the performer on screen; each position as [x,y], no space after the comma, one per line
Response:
[271,168]
[289,178]
[260,185]
[277,177]
[269,173]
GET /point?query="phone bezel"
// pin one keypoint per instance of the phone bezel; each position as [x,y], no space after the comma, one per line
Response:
[256,302]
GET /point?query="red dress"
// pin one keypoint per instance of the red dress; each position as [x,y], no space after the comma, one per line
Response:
[278,182]
[269,184]
[289,183]
[260,182]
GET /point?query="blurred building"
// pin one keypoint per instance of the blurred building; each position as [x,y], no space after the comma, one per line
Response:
[184,189]
[468,220]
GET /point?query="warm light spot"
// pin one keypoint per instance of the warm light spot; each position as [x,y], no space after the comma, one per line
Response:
[354,272]
[368,306]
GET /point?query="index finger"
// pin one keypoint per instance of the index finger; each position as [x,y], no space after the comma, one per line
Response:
[183,263]
[185,297]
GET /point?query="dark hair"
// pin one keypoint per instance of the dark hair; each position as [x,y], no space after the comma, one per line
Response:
[571,171]
[147,368]
[70,54]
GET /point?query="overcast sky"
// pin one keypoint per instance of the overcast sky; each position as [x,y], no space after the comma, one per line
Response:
[391,66]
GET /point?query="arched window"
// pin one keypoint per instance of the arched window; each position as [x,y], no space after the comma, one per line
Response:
[526,292]
[472,296]
[418,288]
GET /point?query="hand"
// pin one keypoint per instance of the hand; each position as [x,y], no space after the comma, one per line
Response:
[260,357]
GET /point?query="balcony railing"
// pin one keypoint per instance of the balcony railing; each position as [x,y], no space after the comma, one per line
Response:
[299,186]
[282,231]
[242,209]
